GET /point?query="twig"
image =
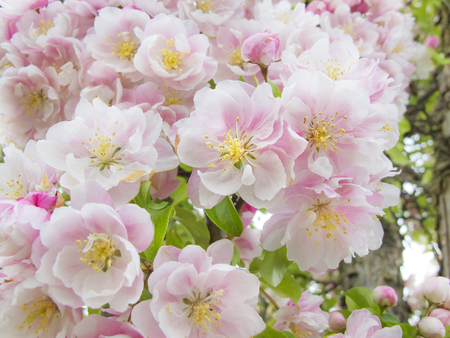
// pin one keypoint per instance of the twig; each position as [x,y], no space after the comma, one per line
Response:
[270,299]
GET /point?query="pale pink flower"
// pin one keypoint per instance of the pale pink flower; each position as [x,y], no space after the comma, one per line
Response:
[30,104]
[209,15]
[95,326]
[197,294]
[436,289]
[322,223]
[88,254]
[260,48]
[317,7]
[236,141]
[336,321]
[431,327]
[226,50]
[248,244]
[33,313]
[305,319]
[174,51]
[362,324]
[112,147]
[113,39]
[385,296]
[442,314]
[152,7]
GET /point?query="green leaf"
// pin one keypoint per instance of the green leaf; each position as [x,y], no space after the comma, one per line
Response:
[196,227]
[160,219]
[274,266]
[144,195]
[180,193]
[173,239]
[225,216]
[409,331]
[439,59]
[288,334]
[287,288]
[404,126]
[92,311]
[254,265]
[276,92]
[360,298]
[390,319]
[186,168]
[270,333]
[241,79]
[447,331]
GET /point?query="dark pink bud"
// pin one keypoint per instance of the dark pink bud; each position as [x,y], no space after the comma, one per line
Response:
[260,48]
[432,41]
[385,296]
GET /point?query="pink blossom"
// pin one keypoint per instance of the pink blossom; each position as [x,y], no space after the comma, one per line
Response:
[436,289]
[113,39]
[385,296]
[317,7]
[362,324]
[95,326]
[88,254]
[304,319]
[260,48]
[209,15]
[432,41]
[336,321]
[248,244]
[236,141]
[164,183]
[442,314]
[34,313]
[214,299]
[112,147]
[431,327]
[174,51]
[30,103]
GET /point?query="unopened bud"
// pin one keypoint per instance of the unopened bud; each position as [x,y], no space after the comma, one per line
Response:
[385,296]
[431,327]
[260,48]
[432,41]
[317,7]
[442,314]
[436,289]
[336,321]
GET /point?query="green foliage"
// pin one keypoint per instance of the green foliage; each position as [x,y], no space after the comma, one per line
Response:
[360,298]
[287,288]
[276,92]
[271,333]
[225,216]
[274,266]
[195,226]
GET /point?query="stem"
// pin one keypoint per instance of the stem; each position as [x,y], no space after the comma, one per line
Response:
[263,71]
[428,309]
[270,299]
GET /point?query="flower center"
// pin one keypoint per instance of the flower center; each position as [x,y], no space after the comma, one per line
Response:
[299,333]
[125,49]
[99,251]
[385,128]
[44,27]
[204,6]
[322,132]
[42,310]
[33,100]
[235,149]
[284,18]
[398,49]
[203,310]
[172,59]
[16,189]
[104,150]
[327,219]
[235,57]
[171,97]
[334,72]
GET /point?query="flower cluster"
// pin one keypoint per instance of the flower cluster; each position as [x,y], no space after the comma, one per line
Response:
[101,98]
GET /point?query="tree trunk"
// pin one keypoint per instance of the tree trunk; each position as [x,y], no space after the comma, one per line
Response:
[380,267]
[441,175]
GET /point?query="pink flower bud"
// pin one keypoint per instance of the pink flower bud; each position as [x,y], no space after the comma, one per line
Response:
[442,314]
[317,7]
[336,321]
[432,41]
[431,327]
[385,296]
[436,289]
[260,48]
